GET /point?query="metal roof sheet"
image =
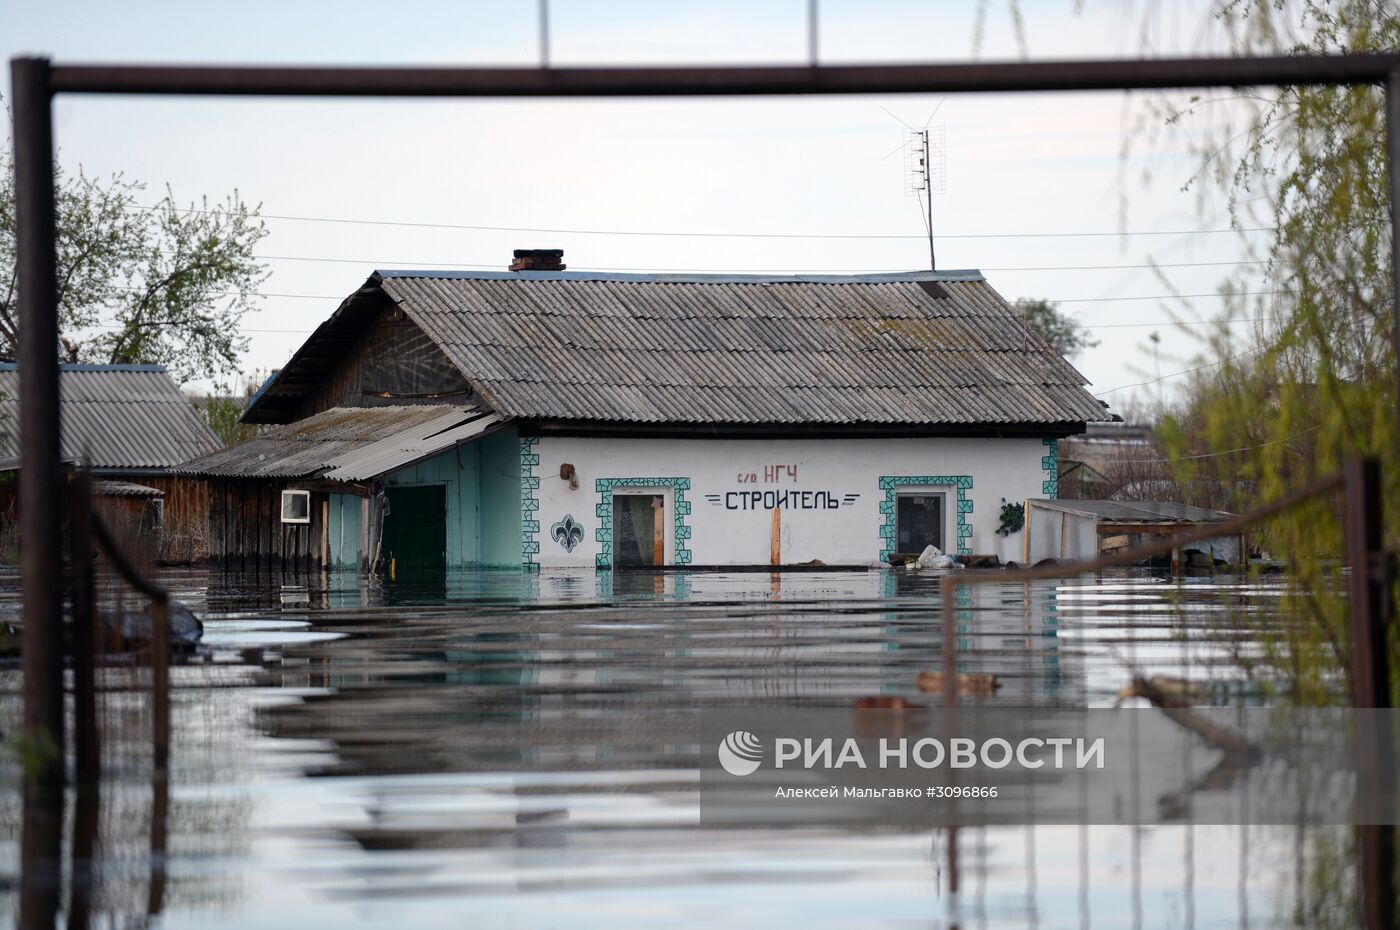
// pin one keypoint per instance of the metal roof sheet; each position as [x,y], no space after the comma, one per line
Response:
[124,489]
[115,417]
[919,348]
[349,443]
[1136,511]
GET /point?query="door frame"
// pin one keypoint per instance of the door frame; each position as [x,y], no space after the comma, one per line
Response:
[960,537]
[665,525]
[410,485]
[677,507]
[940,491]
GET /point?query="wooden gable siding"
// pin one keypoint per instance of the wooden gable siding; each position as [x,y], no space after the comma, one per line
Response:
[246,532]
[186,516]
[393,356]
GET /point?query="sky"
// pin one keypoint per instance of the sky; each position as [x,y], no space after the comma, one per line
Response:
[1080,199]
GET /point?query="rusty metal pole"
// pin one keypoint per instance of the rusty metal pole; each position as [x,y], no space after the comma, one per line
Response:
[1370,672]
[1369,590]
[82,883]
[160,683]
[947,588]
[1392,151]
[160,756]
[40,477]
[87,748]
[41,860]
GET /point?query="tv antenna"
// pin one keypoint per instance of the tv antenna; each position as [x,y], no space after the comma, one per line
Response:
[925,169]
[926,173]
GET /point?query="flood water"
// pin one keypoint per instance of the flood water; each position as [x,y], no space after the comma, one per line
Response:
[481,748]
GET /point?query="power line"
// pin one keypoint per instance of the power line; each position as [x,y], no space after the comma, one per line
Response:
[1090,300]
[1177,374]
[710,235]
[1211,455]
[1251,319]
[394,263]
[1054,300]
[304,332]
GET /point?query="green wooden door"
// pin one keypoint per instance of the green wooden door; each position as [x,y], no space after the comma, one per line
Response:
[415,531]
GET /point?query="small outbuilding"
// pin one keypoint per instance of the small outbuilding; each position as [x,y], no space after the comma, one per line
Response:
[130,425]
[1078,529]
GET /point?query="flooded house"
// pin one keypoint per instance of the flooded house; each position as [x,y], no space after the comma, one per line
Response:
[544,417]
[129,424]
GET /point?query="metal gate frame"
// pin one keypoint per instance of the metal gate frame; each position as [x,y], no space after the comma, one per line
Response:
[36,81]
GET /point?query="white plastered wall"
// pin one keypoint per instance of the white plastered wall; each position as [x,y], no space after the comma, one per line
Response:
[831,511]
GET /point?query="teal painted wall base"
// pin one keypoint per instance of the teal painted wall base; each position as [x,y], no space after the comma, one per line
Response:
[481,481]
[346,532]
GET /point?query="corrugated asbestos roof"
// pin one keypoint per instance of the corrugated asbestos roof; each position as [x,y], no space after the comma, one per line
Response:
[124,489]
[1137,511]
[919,349]
[115,417]
[348,443]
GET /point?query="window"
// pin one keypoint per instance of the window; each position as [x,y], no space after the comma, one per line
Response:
[296,506]
[918,522]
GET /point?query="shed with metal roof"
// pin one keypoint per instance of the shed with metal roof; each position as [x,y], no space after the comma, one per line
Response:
[117,419]
[1082,529]
[129,424]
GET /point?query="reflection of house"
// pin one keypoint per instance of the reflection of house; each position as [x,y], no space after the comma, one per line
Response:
[129,424]
[545,417]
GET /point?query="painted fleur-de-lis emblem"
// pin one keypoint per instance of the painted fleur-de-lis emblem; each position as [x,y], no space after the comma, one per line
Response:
[568,532]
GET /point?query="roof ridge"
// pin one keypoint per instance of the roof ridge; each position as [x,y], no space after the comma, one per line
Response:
[737,277]
[86,366]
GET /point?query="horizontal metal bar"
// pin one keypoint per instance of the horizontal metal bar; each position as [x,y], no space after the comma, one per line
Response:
[123,565]
[972,77]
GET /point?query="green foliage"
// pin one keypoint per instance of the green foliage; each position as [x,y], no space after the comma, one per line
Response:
[163,285]
[33,754]
[1314,383]
[221,411]
[1046,321]
[1013,518]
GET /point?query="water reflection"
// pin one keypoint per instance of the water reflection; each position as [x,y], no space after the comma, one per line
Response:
[402,753]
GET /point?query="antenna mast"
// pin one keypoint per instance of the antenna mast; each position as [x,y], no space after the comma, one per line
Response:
[928,196]
[926,174]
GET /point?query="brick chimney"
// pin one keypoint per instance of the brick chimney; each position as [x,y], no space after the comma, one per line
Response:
[538,260]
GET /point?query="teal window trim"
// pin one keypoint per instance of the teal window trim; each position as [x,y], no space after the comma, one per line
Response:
[529,502]
[890,485]
[1050,463]
[604,533]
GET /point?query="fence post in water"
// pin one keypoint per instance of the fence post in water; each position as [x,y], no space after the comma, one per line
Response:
[160,682]
[1369,588]
[87,750]
[947,586]
[1370,672]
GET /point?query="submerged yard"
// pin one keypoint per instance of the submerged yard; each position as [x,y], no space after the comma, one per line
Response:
[483,745]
